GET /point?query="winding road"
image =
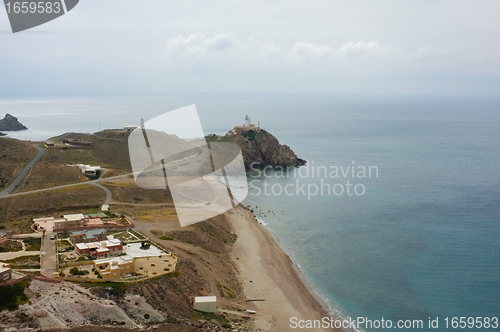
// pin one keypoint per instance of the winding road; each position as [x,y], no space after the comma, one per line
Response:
[48,252]
[205,153]
[23,173]
[108,193]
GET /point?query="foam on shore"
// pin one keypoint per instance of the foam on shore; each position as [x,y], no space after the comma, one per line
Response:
[333,309]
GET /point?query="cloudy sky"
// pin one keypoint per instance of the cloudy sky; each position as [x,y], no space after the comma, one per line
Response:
[272,46]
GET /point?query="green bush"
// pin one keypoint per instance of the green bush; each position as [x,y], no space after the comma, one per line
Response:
[174,274]
[13,295]
[249,134]
[76,272]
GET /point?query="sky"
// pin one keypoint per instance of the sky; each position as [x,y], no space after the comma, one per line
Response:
[272,46]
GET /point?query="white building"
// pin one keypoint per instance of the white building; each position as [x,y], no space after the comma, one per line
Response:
[129,127]
[89,170]
[5,272]
[74,217]
[205,303]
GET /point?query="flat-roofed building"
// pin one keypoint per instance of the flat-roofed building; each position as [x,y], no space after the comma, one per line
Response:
[5,272]
[113,268]
[129,127]
[74,217]
[79,143]
[62,223]
[89,170]
[94,222]
[70,220]
[205,303]
[100,249]
[44,219]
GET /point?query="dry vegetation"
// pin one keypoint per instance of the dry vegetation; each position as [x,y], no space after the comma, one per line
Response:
[14,156]
[109,150]
[205,267]
[50,171]
[129,192]
[16,212]
[158,213]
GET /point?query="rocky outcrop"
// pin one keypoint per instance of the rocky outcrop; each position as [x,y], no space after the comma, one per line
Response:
[10,123]
[259,146]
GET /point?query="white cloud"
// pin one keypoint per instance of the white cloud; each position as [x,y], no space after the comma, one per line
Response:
[361,48]
[225,52]
[221,45]
[312,51]
[303,50]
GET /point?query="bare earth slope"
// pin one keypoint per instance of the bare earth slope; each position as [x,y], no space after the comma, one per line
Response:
[14,156]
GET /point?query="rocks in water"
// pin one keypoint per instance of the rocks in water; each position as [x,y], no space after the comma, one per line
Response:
[10,123]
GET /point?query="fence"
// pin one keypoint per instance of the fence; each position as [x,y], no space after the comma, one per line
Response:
[29,276]
[42,278]
[13,281]
[76,264]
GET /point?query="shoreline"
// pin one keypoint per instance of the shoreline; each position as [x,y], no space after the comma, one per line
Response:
[268,272]
[332,309]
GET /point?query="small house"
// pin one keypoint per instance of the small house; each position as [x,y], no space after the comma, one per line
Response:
[205,303]
[5,272]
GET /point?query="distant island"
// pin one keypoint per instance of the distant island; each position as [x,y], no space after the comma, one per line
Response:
[10,123]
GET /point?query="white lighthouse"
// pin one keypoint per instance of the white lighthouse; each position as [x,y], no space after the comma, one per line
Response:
[247,121]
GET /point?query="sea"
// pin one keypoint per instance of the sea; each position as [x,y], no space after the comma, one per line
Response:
[396,215]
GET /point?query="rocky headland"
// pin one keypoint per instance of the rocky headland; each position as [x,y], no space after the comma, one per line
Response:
[259,146]
[10,123]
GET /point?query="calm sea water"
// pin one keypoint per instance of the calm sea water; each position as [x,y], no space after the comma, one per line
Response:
[423,239]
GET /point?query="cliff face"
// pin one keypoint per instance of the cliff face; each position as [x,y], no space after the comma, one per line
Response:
[10,123]
[259,146]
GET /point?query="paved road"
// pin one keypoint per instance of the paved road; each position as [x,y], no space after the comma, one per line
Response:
[24,236]
[137,225]
[202,155]
[23,173]
[14,254]
[48,257]
[108,193]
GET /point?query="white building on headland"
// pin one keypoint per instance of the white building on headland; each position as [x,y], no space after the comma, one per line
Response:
[248,125]
[129,127]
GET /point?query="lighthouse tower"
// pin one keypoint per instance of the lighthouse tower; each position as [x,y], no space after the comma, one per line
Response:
[247,121]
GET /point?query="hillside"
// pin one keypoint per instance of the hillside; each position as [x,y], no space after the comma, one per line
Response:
[110,152]
[14,156]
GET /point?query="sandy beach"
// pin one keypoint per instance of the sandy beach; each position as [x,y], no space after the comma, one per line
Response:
[268,273]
